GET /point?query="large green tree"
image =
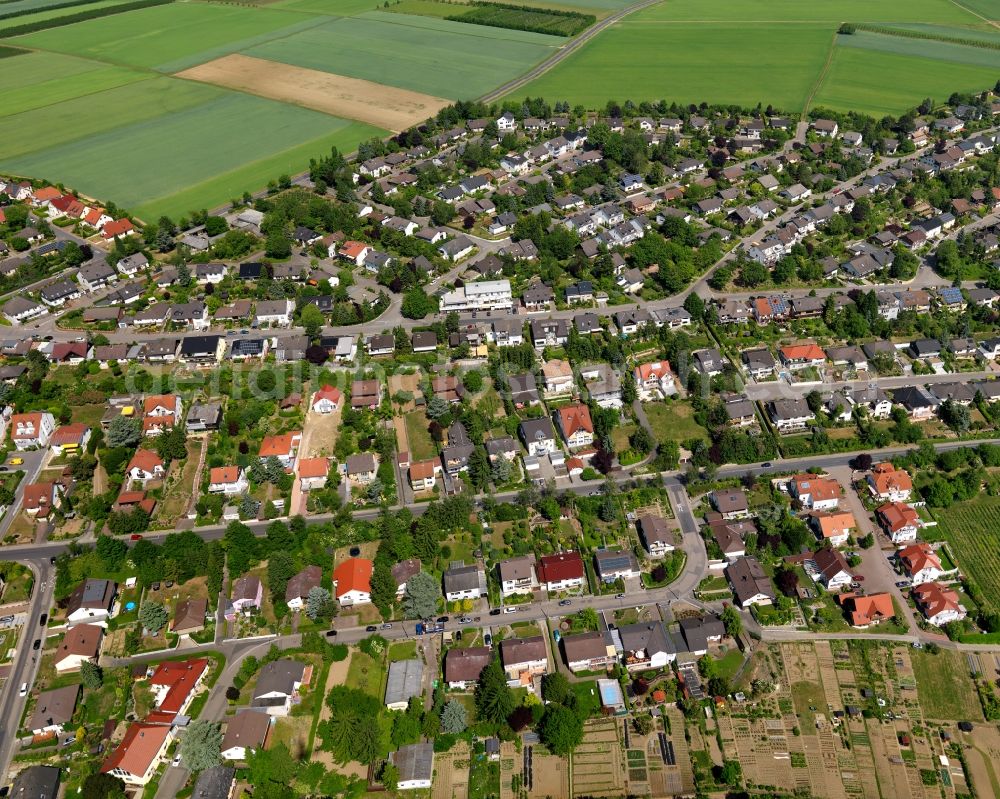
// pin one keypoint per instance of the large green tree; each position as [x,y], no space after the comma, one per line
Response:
[420,600]
[561,730]
[200,745]
[494,699]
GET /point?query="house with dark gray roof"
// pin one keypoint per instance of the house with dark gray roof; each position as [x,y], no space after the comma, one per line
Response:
[277,686]
[464,582]
[645,645]
[700,631]
[414,765]
[216,782]
[404,682]
[36,782]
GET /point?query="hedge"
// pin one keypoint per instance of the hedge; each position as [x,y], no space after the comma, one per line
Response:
[935,37]
[525,18]
[54,7]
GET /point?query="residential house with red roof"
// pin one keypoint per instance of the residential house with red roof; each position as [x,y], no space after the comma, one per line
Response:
[160,411]
[327,399]
[354,251]
[135,759]
[562,571]
[576,426]
[173,684]
[654,380]
[814,492]
[145,465]
[864,611]
[70,438]
[41,498]
[899,520]
[284,447]
[228,480]
[938,603]
[118,229]
[312,472]
[802,356]
[352,582]
[423,474]
[889,484]
[920,563]
[29,430]
[834,526]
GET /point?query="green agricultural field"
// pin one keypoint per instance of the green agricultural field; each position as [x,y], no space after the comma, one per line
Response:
[54,13]
[973,530]
[988,9]
[17,6]
[36,80]
[433,56]
[331,8]
[686,51]
[848,83]
[647,59]
[170,37]
[158,164]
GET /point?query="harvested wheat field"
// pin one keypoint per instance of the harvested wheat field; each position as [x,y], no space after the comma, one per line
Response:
[351,98]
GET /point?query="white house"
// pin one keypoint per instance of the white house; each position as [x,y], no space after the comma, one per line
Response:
[228,480]
[30,430]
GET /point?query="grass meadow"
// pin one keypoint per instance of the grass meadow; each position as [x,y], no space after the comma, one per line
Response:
[52,13]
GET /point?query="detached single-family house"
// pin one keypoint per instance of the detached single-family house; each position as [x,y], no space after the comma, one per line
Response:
[414,766]
[278,686]
[656,535]
[750,583]
[834,526]
[563,571]
[352,582]
[31,430]
[327,399]
[247,594]
[889,484]
[920,563]
[81,642]
[575,425]
[938,603]
[298,587]
[646,646]
[464,582]
[246,732]
[524,659]
[228,480]
[832,570]
[145,465]
[517,575]
[141,751]
[91,602]
[590,651]
[462,666]
[900,521]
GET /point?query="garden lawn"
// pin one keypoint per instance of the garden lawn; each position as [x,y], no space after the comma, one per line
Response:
[972,529]
[365,674]
[673,421]
[421,444]
[170,37]
[433,56]
[945,689]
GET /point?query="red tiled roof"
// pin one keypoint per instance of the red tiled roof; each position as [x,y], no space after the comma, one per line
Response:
[865,610]
[116,228]
[897,515]
[278,445]
[138,749]
[934,598]
[802,352]
[559,567]
[145,459]
[575,417]
[181,678]
[918,556]
[353,574]
[888,478]
[224,475]
[69,434]
[314,467]
[328,392]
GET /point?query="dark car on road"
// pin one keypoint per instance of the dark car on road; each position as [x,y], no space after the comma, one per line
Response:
[371,628]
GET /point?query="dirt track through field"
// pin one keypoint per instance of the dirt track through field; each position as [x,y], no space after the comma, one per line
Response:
[351,98]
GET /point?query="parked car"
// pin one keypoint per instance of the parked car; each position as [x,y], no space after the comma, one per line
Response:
[619,596]
[564,602]
[510,609]
[42,619]
[465,620]
[443,619]
[371,628]
[37,645]
[24,689]
[387,626]
[495,612]
[176,761]
[331,633]
[488,639]
[135,537]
